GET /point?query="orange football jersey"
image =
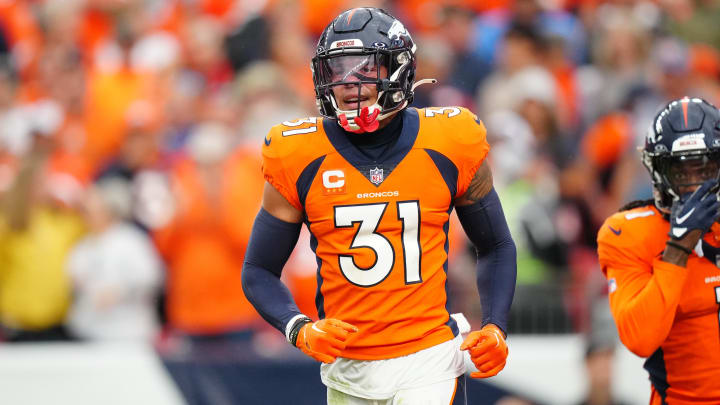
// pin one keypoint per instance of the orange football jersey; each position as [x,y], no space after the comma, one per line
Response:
[664,312]
[380,228]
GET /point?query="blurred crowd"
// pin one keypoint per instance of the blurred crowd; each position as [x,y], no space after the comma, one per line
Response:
[130,133]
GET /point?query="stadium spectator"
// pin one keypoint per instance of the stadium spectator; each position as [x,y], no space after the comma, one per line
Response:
[215,188]
[467,69]
[693,21]
[522,50]
[115,270]
[550,21]
[264,97]
[38,227]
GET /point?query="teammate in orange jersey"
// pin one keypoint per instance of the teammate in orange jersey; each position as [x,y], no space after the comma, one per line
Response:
[661,258]
[375,183]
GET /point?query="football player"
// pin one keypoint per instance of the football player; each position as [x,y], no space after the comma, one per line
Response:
[661,257]
[375,182]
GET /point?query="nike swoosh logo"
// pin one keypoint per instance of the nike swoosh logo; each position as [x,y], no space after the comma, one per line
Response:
[682,219]
[615,231]
[267,141]
[315,328]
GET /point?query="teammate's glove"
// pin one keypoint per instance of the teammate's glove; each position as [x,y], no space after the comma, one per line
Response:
[488,350]
[365,121]
[325,339]
[697,210]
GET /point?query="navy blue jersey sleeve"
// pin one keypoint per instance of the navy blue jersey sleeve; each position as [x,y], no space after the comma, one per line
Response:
[271,243]
[485,225]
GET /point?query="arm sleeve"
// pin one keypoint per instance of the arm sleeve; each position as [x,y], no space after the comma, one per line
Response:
[643,300]
[271,243]
[485,225]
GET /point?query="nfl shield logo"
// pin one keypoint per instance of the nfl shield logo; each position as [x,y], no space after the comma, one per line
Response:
[376,175]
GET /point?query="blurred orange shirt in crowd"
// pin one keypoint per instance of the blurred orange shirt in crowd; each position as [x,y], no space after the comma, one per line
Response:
[217,8]
[705,60]
[421,15]
[607,139]
[109,95]
[23,33]
[204,245]
[317,21]
[95,28]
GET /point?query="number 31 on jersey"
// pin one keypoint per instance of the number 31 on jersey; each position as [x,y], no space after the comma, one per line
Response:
[369,216]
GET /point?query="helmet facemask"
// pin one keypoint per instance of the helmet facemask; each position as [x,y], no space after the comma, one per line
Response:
[361,68]
[682,149]
[676,175]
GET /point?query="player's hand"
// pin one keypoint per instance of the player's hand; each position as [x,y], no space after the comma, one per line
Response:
[325,339]
[697,210]
[488,350]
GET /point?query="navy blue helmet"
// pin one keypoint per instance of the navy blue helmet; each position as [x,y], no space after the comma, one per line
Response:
[351,51]
[685,134]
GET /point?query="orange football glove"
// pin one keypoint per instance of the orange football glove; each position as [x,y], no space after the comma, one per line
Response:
[488,350]
[325,339]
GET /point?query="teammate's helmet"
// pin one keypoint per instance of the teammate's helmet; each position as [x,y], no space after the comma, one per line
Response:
[358,41]
[686,133]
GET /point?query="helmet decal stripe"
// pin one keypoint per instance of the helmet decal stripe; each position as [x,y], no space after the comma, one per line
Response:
[685,102]
[350,15]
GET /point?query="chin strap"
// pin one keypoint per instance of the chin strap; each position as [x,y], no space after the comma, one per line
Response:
[365,122]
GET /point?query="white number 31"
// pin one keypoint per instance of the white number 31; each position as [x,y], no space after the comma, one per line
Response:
[369,216]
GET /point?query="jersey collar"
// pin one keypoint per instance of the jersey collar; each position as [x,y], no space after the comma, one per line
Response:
[390,158]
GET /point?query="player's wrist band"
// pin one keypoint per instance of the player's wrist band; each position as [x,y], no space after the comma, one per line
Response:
[294,326]
[678,246]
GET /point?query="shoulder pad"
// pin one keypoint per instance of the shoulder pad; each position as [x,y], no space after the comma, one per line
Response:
[284,138]
[459,135]
[287,149]
[459,123]
[638,227]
